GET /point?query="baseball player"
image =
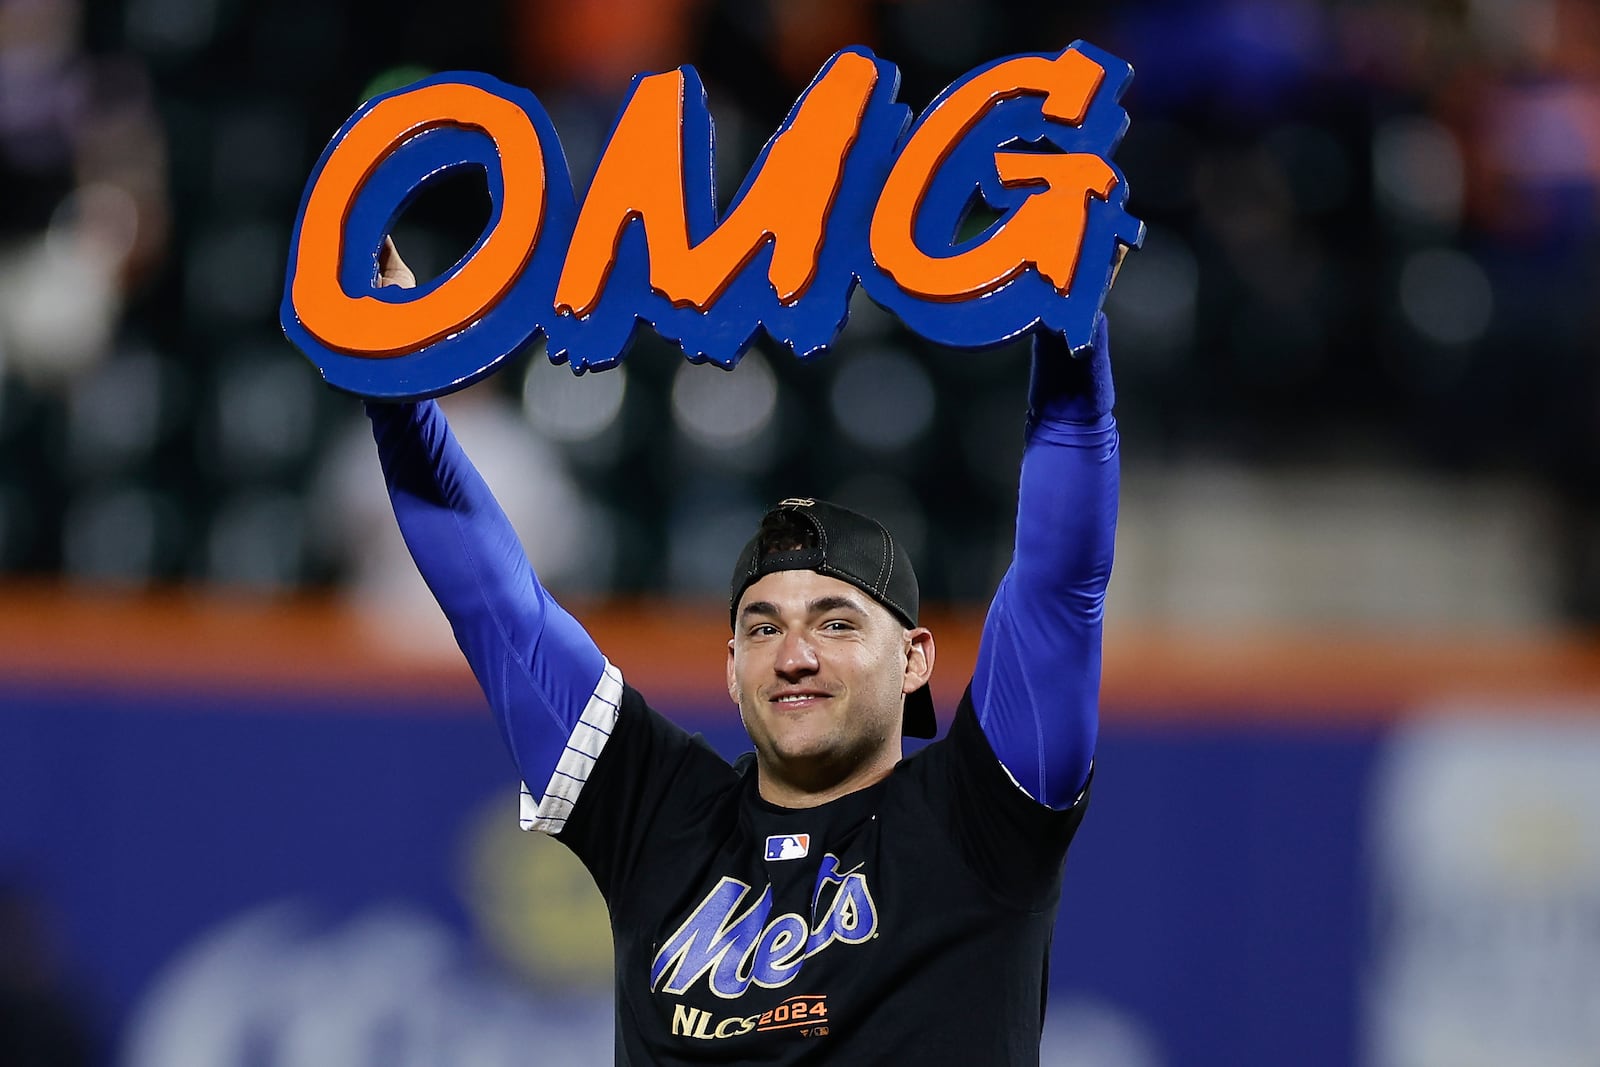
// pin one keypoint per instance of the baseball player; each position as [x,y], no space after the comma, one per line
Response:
[821,899]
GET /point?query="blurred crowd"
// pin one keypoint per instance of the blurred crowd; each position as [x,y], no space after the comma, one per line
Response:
[1374,239]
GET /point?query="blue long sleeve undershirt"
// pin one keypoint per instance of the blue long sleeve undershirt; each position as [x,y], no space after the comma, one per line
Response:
[1037,680]
[1036,687]
[536,664]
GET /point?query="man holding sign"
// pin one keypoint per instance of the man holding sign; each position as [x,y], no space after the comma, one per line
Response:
[822,899]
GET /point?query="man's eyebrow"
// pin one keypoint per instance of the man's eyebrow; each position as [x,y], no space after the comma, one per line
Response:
[759,607]
[819,606]
[826,604]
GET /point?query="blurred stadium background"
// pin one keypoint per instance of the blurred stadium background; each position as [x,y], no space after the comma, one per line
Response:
[1348,812]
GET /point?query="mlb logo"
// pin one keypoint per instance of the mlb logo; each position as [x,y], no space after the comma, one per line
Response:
[788,846]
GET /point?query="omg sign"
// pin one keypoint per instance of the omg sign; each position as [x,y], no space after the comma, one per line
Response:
[848,191]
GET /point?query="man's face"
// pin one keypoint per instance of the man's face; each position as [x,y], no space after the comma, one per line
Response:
[820,670]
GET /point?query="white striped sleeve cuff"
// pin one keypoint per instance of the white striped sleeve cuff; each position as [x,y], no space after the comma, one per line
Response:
[548,813]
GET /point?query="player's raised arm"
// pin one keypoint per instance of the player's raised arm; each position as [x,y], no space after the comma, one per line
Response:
[1036,688]
[538,667]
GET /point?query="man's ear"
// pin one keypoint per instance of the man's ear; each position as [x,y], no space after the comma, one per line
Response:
[919,659]
[733,679]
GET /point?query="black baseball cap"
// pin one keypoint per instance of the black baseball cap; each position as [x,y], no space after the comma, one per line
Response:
[846,545]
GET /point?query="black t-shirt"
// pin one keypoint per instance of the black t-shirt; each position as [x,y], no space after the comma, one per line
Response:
[908,922]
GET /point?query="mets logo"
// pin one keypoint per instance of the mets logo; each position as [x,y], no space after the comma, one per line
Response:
[735,949]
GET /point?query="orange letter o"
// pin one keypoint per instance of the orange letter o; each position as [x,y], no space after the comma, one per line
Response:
[366,326]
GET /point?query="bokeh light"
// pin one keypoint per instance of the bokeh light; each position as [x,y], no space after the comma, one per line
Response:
[724,410]
[882,398]
[1446,296]
[570,408]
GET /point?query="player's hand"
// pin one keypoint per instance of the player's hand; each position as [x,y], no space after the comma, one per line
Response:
[392,270]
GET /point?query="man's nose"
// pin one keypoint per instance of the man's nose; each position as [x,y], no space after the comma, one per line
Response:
[796,656]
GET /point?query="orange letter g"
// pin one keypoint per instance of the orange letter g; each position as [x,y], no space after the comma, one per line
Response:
[1046,232]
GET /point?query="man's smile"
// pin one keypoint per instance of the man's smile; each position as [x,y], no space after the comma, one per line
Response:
[799,698]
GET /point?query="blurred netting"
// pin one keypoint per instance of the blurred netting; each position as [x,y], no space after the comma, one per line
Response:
[1359,347]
